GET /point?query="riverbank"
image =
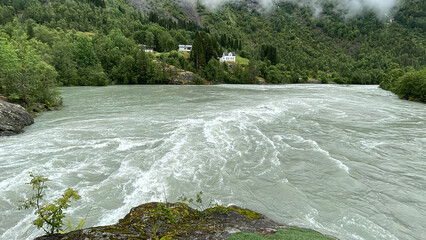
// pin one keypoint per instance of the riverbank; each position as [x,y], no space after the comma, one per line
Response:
[179,221]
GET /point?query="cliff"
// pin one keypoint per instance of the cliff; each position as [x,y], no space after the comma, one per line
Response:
[179,221]
[13,118]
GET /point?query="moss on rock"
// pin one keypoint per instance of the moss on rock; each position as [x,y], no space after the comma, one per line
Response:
[178,221]
[283,234]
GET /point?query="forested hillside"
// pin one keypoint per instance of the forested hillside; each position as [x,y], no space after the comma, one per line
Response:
[49,43]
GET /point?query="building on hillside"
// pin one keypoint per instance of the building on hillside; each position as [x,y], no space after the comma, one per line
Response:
[185,48]
[148,48]
[228,57]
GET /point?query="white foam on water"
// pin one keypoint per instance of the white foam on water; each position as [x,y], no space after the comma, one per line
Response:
[310,217]
[237,149]
[128,144]
[274,159]
[22,229]
[220,131]
[371,144]
[315,146]
[366,226]
[148,185]
[215,133]
[338,162]
[345,227]
[140,184]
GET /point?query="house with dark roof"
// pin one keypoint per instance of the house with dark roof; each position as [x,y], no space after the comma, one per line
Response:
[228,57]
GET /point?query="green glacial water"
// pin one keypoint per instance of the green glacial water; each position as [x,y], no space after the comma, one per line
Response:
[348,161]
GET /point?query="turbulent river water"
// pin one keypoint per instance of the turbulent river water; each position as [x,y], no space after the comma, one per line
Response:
[348,161]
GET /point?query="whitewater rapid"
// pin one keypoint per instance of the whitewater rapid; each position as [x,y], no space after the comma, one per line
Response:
[347,161]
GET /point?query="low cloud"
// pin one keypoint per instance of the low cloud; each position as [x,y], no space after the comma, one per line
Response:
[349,7]
[380,7]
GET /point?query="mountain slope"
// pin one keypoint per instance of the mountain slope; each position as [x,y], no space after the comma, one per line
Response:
[99,42]
[359,49]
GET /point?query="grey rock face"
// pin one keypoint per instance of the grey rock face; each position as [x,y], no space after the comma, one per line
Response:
[13,118]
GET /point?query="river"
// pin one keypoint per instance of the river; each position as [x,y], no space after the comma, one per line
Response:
[348,161]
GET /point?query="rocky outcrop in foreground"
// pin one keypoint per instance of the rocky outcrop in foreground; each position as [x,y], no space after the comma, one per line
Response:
[13,118]
[179,221]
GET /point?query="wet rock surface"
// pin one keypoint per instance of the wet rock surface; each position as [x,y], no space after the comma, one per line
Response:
[13,118]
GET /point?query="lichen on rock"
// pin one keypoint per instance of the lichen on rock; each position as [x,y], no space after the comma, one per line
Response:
[178,221]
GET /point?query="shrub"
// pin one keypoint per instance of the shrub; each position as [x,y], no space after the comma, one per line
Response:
[49,215]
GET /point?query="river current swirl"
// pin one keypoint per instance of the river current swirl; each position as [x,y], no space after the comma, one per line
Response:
[348,161]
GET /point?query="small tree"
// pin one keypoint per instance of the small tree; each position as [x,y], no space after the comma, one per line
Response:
[49,215]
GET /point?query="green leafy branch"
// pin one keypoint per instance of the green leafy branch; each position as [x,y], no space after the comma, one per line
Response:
[49,215]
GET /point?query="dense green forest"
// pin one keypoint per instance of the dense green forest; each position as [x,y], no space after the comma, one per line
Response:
[408,84]
[50,43]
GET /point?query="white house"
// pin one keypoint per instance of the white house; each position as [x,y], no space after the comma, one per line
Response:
[148,49]
[228,57]
[185,48]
